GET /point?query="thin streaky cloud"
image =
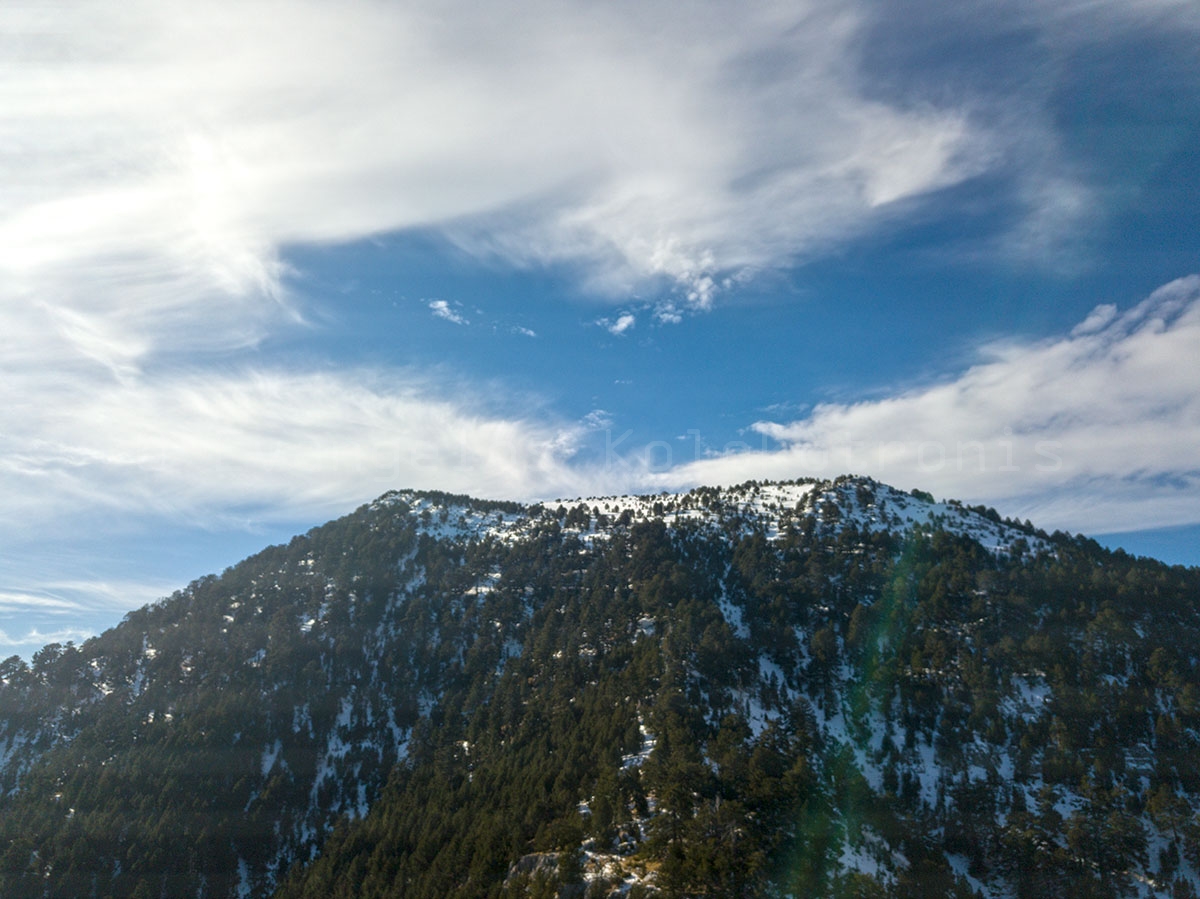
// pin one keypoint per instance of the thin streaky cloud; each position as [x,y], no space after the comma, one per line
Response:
[12,601]
[35,637]
[443,310]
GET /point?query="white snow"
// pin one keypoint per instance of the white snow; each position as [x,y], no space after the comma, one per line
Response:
[269,756]
[773,507]
[637,759]
[733,615]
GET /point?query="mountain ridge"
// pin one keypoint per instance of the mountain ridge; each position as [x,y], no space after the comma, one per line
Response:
[863,501]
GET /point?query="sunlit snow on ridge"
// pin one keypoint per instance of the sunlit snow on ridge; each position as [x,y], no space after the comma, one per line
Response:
[767,506]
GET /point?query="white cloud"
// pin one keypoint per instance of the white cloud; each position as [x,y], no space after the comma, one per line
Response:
[55,596]
[623,322]
[1097,319]
[161,154]
[12,601]
[262,444]
[442,309]
[35,638]
[598,420]
[1096,431]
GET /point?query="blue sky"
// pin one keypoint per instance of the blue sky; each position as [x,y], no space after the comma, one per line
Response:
[263,261]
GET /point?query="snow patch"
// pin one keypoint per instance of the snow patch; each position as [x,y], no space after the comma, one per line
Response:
[637,759]
[270,755]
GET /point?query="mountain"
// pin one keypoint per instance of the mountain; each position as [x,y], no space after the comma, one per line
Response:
[778,689]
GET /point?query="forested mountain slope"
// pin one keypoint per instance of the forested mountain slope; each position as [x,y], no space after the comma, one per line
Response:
[807,689]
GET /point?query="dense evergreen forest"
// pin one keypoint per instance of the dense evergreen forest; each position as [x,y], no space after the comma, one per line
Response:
[805,689]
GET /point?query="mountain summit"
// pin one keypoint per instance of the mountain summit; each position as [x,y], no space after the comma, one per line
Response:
[816,688]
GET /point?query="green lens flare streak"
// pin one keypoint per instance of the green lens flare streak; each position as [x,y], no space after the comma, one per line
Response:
[826,822]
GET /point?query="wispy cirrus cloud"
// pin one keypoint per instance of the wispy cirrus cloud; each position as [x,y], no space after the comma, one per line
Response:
[36,609]
[268,444]
[1094,431]
[55,596]
[13,601]
[443,310]
[31,639]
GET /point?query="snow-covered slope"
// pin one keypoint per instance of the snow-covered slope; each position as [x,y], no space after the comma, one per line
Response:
[771,507]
